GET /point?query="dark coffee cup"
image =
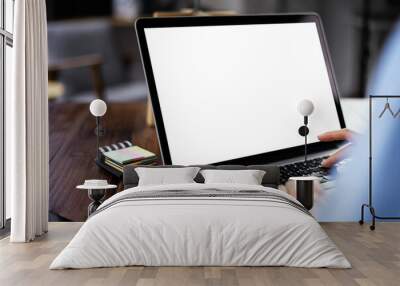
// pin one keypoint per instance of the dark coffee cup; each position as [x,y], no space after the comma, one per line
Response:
[305,190]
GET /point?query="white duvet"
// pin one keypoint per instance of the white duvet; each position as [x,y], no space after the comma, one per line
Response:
[200,231]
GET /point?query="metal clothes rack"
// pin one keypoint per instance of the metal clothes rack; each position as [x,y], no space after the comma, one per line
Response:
[370,204]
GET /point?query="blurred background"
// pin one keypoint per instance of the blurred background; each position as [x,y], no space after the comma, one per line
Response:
[93,49]
[93,53]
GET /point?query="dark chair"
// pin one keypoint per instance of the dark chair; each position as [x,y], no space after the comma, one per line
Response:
[87,57]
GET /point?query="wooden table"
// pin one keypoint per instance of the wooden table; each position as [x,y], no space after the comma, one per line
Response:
[73,150]
[73,147]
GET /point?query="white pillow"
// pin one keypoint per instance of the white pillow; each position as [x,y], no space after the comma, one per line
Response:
[163,176]
[248,177]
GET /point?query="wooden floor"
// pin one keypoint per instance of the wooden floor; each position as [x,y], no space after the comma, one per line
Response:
[375,257]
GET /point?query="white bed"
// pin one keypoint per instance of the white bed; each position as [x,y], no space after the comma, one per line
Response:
[184,230]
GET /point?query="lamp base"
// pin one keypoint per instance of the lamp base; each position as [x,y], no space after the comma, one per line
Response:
[303,130]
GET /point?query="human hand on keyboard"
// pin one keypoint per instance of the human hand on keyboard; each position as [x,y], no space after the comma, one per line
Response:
[343,134]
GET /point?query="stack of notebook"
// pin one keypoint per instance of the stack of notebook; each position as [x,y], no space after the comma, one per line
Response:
[116,156]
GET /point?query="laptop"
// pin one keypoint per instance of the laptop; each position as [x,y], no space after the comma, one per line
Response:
[225,90]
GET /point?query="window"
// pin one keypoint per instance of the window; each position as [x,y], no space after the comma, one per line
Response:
[6,43]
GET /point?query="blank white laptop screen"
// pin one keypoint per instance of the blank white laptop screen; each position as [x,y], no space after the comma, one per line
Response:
[228,92]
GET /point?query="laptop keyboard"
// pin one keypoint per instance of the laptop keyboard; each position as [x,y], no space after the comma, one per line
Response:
[310,168]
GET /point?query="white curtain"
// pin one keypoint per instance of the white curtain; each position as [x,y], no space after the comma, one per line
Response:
[27,124]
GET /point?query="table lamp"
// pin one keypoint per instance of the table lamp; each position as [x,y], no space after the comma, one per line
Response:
[305,108]
[98,108]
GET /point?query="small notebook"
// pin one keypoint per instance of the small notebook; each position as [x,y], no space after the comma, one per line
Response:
[129,155]
[116,146]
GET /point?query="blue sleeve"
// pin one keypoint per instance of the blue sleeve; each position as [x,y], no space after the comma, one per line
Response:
[352,182]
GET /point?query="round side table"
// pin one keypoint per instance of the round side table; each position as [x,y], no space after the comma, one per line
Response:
[96,194]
